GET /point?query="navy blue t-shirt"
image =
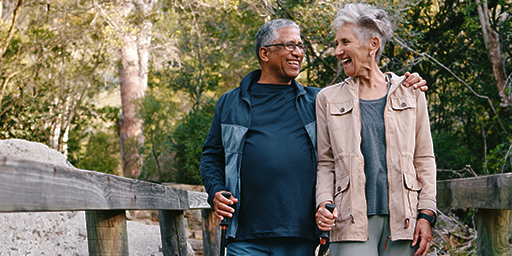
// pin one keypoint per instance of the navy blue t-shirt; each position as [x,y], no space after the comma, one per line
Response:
[277,172]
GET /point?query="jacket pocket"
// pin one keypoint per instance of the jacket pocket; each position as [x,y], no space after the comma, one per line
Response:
[338,109]
[403,103]
[412,186]
[342,199]
[341,125]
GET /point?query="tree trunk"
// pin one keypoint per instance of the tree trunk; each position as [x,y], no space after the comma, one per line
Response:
[132,89]
[133,74]
[494,232]
[492,43]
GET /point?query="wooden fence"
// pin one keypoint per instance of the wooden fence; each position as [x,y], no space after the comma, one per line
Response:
[28,186]
[492,196]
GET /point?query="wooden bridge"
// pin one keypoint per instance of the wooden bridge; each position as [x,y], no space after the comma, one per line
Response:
[28,186]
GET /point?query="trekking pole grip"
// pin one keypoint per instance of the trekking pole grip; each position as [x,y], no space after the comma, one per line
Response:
[330,207]
[224,221]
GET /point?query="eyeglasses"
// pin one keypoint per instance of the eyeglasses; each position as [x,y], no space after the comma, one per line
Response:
[290,46]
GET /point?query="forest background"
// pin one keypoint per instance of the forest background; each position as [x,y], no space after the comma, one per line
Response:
[129,87]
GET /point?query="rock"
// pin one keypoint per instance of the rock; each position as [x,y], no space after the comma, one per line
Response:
[33,151]
[43,233]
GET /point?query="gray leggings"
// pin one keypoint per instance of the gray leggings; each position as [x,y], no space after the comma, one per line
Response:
[379,231]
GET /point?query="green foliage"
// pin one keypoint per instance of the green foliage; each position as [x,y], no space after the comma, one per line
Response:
[15,123]
[464,125]
[50,72]
[101,153]
[499,159]
[94,144]
[159,114]
[213,52]
[188,140]
[214,46]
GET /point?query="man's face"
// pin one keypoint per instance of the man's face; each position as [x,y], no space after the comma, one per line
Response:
[284,65]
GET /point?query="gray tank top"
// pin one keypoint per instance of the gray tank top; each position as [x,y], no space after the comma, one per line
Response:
[373,148]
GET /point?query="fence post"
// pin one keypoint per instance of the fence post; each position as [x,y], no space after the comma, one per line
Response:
[494,232]
[106,232]
[172,230]
[211,233]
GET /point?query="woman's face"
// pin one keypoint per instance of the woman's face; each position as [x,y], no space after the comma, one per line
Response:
[354,56]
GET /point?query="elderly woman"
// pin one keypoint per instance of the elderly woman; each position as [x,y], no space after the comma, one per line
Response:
[375,154]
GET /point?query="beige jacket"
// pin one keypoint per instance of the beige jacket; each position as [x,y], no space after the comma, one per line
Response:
[409,156]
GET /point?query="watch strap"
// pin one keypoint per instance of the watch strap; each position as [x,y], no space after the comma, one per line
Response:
[430,219]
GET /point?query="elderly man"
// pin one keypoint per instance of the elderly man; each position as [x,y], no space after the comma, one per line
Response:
[261,148]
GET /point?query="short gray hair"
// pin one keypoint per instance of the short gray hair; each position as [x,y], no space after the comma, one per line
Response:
[267,33]
[368,22]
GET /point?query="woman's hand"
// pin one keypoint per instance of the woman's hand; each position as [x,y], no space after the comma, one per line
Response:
[324,218]
[415,80]
[423,234]
[222,205]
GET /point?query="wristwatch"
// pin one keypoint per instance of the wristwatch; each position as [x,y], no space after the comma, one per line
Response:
[431,219]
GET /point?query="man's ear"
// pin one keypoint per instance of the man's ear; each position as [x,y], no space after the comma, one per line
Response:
[264,52]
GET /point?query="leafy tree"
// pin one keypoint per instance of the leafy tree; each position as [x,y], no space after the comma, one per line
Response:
[97,148]
[101,153]
[449,52]
[159,113]
[50,70]
[214,50]
[188,140]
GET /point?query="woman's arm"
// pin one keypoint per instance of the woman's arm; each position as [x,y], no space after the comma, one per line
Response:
[424,162]
[424,159]
[325,170]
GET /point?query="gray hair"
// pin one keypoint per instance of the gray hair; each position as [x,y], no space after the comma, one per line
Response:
[368,22]
[267,33]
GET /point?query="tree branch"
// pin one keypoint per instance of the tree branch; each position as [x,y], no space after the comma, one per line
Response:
[433,60]
[7,40]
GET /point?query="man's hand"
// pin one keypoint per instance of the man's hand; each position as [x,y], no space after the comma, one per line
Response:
[222,205]
[423,234]
[324,218]
[415,80]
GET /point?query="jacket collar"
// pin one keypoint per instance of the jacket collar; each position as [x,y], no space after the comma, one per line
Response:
[353,85]
[396,81]
[254,76]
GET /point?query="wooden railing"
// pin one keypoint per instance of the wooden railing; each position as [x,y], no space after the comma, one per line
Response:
[492,196]
[27,186]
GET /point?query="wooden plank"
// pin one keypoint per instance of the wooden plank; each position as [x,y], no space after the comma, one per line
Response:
[484,192]
[172,231]
[32,186]
[198,200]
[107,233]
[494,232]
[211,233]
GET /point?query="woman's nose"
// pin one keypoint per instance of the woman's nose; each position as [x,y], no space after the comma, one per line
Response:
[339,51]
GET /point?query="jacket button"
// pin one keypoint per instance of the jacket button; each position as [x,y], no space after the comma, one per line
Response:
[339,188]
[342,110]
[407,221]
[403,104]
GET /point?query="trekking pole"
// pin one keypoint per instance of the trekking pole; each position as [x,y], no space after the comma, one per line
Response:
[324,235]
[223,224]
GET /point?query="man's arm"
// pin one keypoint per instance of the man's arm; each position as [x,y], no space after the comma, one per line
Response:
[213,170]
[212,160]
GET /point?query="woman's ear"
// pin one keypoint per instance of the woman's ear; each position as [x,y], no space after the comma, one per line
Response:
[374,44]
